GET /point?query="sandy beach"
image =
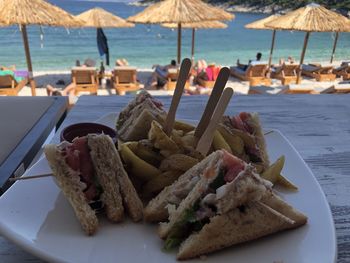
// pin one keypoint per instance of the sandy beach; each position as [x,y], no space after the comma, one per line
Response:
[55,78]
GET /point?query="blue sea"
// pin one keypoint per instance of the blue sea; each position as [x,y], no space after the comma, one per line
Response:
[145,45]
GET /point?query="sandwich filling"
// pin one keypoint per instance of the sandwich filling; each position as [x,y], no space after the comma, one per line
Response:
[77,157]
[243,123]
[234,185]
[139,99]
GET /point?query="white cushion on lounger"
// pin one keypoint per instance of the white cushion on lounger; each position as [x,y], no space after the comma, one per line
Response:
[254,63]
[124,68]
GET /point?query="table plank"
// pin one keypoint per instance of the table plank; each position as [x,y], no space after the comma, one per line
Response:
[317,125]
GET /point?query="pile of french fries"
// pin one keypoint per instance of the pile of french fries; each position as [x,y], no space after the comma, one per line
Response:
[158,161]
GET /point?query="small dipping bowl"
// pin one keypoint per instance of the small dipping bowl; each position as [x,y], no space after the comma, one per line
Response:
[85,128]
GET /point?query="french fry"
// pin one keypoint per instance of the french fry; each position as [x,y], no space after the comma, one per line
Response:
[136,166]
[247,138]
[188,140]
[272,173]
[283,181]
[161,141]
[145,151]
[157,184]
[219,142]
[234,141]
[179,162]
[183,126]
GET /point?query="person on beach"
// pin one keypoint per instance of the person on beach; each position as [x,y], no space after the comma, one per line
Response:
[121,62]
[245,66]
[159,76]
[70,89]
[11,70]
[290,60]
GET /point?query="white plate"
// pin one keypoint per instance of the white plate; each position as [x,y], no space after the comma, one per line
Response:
[35,215]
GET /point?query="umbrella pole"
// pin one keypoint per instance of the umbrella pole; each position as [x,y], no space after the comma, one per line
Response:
[193,39]
[179,43]
[306,39]
[272,47]
[29,62]
[334,46]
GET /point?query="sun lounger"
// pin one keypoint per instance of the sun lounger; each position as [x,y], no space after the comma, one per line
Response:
[337,89]
[211,76]
[287,73]
[255,74]
[125,80]
[9,86]
[343,71]
[319,72]
[297,89]
[85,79]
[172,79]
[288,89]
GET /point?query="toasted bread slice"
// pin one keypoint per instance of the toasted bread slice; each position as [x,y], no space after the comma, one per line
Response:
[275,202]
[246,187]
[260,138]
[103,156]
[70,184]
[237,226]
[117,180]
[138,123]
[156,210]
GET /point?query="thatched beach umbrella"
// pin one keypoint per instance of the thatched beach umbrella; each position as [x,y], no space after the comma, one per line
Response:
[195,26]
[311,18]
[180,12]
[260,25]
[37,12]
[100,18]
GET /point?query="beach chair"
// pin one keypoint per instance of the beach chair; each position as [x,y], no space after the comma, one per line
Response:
[343,71]
[318,72]
[297,89]
[255,74]
[287,73]
[85,79]
[9,86]
[337,89]
[124,80]
[172,79]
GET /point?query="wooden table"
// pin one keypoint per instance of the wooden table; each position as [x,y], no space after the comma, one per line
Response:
[317,125]
[25,123]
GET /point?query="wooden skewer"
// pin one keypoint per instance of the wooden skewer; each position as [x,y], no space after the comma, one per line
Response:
[205,141]
[180,85]
[13,179]
[219,86]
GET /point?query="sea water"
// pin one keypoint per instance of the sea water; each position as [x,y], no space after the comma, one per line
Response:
[145,45]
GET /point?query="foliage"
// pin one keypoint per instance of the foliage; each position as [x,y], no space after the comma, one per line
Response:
[343,6]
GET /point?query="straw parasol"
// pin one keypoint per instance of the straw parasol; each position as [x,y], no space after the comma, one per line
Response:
[197,25]
[311,18]
[179,12]
[100,18]
[260,25]
[37,12]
